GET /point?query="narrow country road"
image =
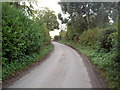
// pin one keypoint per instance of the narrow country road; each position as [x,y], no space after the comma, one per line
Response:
[63,69]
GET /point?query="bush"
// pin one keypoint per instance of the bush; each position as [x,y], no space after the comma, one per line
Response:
[21,35]
[99,38]
[88,37]
[22,39]
[101,45]
[56,38]
[105,42]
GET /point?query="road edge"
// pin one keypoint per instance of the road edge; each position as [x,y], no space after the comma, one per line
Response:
[26,71]
[91,68]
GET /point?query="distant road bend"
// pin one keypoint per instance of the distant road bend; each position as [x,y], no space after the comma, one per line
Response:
[64,68]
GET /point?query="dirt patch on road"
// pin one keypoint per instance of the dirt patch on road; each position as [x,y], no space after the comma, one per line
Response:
[22,73]
[97,80]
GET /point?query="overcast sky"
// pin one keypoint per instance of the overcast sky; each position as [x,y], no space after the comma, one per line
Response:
[52,5]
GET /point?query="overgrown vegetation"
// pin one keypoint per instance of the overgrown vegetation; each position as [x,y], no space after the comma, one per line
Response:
[89,29]
[25,39]
[24,62]
[105,59]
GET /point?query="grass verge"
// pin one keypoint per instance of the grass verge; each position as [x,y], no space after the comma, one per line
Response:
[10,70]
[103,61]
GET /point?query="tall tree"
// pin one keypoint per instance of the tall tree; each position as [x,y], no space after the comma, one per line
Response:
[87,15]
[48,16]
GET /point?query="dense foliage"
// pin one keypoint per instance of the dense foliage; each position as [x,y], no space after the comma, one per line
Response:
[56,38]
[105,63]
[90,30]
[24,40]
[87,15]
[21,36]
[49,18]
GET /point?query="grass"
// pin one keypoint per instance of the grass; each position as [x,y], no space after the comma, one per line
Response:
[103,61]
[24,62]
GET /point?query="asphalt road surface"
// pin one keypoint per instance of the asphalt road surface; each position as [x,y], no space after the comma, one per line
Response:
[64,68]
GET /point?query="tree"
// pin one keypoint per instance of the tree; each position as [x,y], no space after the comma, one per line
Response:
[62,35]
[27,8]
[87,15]
[87,11]
[48,16]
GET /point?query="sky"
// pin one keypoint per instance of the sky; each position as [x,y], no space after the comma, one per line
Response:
[52,5]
